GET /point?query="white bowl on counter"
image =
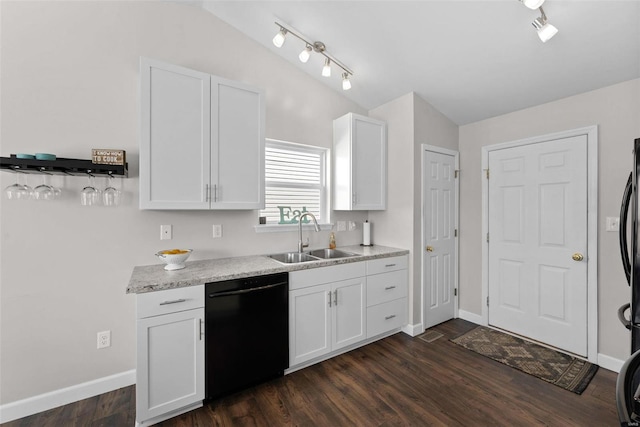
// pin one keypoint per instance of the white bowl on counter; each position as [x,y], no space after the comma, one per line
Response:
[174,258]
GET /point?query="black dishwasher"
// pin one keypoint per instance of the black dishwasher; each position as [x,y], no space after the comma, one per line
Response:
[247,332]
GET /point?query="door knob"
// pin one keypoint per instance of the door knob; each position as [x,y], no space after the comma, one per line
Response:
[577,256]
[429,248]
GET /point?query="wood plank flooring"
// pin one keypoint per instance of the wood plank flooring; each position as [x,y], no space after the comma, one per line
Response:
[398,381]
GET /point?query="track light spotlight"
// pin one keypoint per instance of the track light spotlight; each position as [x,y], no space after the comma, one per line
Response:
[278,40]
[305,54]
[545,30]
[532,4]
[326,70]
[346,83]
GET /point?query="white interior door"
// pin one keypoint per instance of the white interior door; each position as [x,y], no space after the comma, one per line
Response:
[538,242]
[439,265]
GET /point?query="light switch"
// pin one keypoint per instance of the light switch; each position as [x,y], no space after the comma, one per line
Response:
[342,226]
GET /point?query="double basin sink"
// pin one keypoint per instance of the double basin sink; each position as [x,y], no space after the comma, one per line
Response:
[315,255]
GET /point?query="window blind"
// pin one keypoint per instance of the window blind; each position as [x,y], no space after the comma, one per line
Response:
[294,181]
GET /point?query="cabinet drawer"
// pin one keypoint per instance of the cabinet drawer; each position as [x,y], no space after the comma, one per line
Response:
[169,301]
[317,276]
[386,287]
[385,317]
[383,265]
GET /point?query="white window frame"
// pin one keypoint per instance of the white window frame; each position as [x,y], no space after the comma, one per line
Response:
[325,196]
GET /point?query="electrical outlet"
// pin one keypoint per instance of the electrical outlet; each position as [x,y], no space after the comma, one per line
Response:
[352,225]
[217,231]
[342,226]
[166,232]
[104,339]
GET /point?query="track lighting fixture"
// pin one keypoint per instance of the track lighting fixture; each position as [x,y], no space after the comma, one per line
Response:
[532,4]
[326,70]
[346,83]
[278,40]
[545,30]
[305,54]
[317,47]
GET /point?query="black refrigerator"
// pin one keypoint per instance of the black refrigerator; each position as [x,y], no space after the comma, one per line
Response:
[628,383]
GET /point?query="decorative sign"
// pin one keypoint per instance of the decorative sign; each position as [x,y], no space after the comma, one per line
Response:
[290,216]
[101,156]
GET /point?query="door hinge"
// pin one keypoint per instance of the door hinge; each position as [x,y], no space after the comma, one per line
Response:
[487,237]
[455,232]
[455,292]
[487,301]
[456,173]
[487,171]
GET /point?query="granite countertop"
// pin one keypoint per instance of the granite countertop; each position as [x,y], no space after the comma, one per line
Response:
[149,278]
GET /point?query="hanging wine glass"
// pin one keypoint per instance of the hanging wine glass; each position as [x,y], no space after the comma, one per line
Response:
[18,191]
[111,196]
[44,191]
[90,195]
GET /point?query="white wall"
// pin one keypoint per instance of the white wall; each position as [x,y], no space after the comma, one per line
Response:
[411,122]
[394,226]
[616,111]
[70,83]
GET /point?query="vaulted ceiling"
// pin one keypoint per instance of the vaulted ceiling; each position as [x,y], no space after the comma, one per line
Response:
[470,59]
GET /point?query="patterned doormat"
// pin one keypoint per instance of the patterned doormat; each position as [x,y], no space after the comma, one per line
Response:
[552,366]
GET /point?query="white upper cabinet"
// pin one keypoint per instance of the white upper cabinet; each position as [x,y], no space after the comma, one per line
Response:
[201,140]
[359,163]
[237,145]
[175,147]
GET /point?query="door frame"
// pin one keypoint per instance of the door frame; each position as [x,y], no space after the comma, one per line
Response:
[456,215]
[591,132]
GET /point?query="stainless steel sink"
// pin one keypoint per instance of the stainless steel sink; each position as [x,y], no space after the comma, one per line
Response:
[293,257]
[330,253]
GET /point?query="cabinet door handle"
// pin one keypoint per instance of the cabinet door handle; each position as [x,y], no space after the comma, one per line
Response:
[215,192]
[388,288]
[329,298]
[175,301]
[335,299]
[389,317]
[201,329]
[389,265]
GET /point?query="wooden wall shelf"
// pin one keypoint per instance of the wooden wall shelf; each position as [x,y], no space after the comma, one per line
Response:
[61,166]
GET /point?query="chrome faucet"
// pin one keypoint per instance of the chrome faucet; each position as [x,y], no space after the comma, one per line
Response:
[301,245]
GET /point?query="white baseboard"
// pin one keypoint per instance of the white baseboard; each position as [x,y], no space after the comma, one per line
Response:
[610,363]
[43,402]
[470,317]
[413,330]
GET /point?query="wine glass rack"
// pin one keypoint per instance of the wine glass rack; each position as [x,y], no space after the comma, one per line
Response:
[61,166]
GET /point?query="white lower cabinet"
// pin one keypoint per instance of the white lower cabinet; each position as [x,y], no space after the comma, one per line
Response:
[325,318]
[348,313]
[309,323]
[344,306]
[386,295]
[326,310]
[170,353]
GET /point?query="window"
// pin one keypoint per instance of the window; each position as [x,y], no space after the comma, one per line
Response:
[295,182]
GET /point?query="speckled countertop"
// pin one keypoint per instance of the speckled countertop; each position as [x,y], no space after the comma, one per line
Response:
[149,278]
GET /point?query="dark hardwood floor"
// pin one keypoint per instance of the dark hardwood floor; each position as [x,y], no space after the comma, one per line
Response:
[396,381]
